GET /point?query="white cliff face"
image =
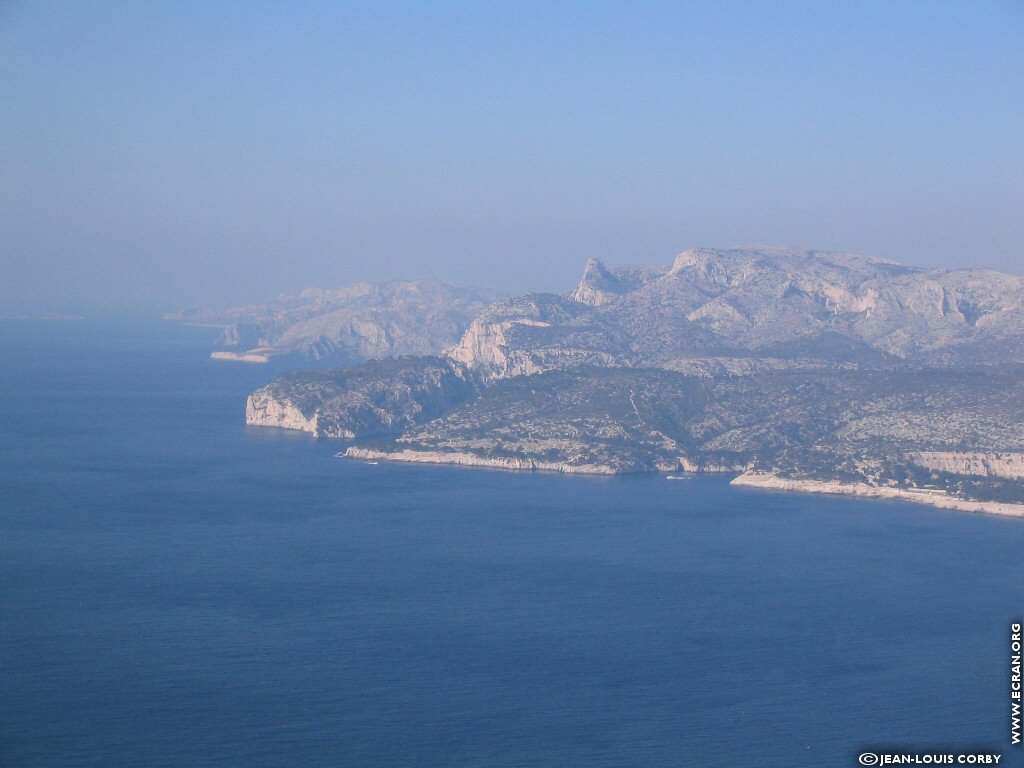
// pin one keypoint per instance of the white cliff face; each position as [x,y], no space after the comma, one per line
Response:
[981,464]
[485,349]
[262,410]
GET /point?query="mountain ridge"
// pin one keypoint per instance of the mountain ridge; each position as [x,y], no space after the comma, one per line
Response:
[742,301]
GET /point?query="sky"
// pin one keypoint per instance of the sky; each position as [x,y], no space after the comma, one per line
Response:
[162,154]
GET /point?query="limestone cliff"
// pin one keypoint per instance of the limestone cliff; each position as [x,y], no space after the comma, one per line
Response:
[377,398]
[263,409]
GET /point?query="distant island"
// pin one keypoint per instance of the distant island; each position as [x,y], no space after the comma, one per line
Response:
[796,369]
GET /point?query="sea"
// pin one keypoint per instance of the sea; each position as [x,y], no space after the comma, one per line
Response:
[179,589]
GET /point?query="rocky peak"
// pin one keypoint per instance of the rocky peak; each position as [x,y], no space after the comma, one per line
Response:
[598,286]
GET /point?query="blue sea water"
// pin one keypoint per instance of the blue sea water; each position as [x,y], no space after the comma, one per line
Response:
[178,589]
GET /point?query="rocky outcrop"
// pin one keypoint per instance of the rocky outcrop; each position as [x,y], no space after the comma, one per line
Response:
[598,285]
[263,409]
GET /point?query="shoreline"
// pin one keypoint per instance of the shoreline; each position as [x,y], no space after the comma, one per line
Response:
[455,458]
[768,481]
[748,479]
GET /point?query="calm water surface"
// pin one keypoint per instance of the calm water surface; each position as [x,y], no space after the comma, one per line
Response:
[177,589]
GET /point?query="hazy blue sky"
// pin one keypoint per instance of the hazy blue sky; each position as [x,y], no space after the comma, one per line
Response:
[160,154]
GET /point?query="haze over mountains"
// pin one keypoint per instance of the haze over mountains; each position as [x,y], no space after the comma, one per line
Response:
[359,322]
[798,363]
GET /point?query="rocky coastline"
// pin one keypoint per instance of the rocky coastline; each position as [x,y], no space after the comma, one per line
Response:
[801,370]
[262,410]
[940,499]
